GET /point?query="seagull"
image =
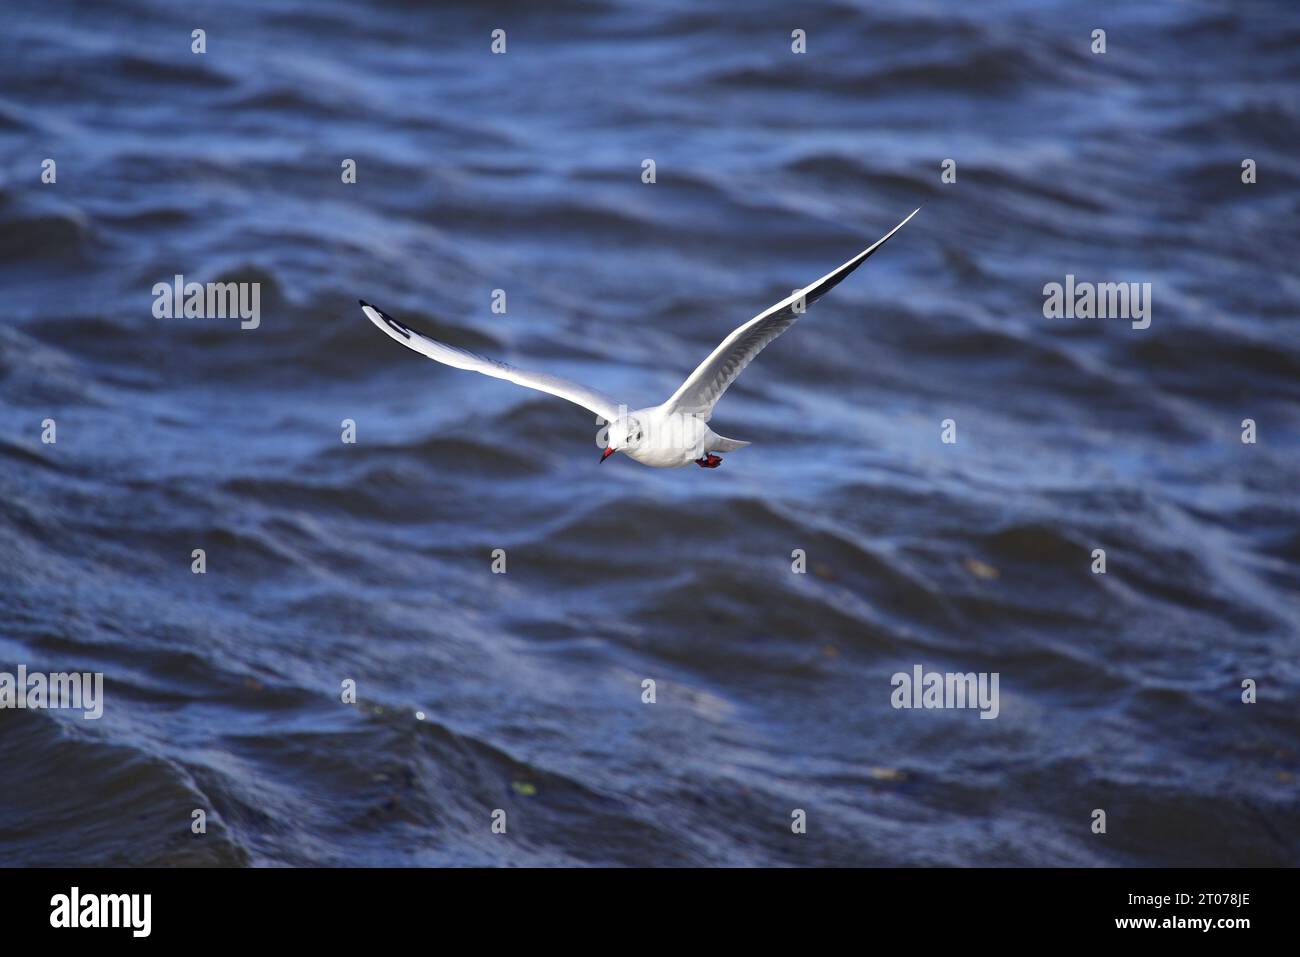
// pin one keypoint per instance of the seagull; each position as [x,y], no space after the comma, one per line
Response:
[675,433]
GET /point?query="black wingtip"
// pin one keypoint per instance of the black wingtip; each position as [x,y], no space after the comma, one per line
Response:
[392,323]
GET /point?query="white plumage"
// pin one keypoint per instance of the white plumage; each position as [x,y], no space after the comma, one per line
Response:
[676,432]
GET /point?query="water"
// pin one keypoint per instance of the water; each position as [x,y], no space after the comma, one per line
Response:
[522,172]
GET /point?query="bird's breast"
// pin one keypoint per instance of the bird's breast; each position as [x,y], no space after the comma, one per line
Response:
[670,441]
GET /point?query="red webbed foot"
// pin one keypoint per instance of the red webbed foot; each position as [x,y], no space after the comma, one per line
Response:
[710,461]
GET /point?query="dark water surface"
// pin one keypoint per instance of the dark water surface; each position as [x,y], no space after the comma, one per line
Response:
[371,562]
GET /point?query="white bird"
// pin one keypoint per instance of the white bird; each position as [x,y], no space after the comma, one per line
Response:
[675,433]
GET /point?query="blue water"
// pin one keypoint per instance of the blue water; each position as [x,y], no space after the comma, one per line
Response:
[371,561]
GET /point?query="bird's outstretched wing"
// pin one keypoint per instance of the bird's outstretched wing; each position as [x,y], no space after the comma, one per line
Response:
[591,399]
[705,386]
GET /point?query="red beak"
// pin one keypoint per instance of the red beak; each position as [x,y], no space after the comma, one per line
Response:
[607,453]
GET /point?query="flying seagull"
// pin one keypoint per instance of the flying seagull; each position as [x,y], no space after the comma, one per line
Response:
[675,433]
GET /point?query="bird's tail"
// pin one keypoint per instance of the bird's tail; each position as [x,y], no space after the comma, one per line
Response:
[721,444]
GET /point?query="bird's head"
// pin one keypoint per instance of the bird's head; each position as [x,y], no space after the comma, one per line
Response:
[622,434]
